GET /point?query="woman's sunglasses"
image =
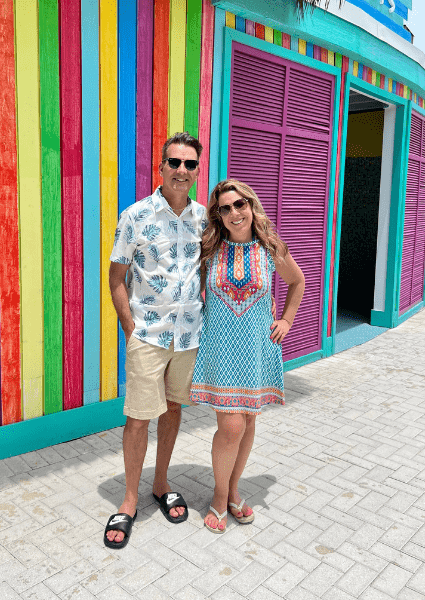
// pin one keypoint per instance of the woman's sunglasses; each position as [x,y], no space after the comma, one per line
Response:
[238,204]
[175,163]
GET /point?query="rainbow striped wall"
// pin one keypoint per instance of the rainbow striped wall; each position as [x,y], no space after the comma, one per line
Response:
[74,154]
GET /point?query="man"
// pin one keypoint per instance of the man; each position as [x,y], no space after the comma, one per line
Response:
[155,286]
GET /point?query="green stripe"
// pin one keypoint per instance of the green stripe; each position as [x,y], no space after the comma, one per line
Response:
[338,60]
[51,201]
[193,71]
[277,37]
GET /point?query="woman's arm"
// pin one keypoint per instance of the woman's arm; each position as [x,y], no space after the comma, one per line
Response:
[290,272]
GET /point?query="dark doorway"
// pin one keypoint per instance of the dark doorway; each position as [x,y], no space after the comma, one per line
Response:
[359,224]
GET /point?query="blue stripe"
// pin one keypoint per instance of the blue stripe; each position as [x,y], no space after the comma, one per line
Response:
[127,52]
[310,49]
[91,195]
[360,73]
[400,8]
[240,24]
[378,16]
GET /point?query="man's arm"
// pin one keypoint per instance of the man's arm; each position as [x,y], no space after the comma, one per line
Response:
[117,274]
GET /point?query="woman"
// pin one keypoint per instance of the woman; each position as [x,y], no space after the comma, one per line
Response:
[239,366]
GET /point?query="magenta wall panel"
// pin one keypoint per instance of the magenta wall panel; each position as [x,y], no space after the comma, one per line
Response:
[281,117]
[413,257]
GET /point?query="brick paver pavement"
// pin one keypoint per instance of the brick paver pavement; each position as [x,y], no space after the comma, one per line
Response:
[336,478]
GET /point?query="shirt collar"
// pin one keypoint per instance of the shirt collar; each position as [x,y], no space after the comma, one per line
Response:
[158,198]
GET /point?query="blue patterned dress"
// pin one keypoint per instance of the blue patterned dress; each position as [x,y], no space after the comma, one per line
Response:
[238,368]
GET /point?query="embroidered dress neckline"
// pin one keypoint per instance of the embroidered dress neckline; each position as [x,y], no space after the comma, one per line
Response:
[251,243]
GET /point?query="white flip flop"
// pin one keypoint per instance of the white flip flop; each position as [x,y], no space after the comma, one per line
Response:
[220,518]
[244,520]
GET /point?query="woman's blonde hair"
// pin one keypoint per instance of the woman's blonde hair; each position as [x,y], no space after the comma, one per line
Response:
[262,228]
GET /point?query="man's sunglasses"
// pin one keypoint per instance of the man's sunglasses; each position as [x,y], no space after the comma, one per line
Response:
[238,204]
[175,163]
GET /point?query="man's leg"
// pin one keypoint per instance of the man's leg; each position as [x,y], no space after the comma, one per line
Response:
[168,427]
[135,443]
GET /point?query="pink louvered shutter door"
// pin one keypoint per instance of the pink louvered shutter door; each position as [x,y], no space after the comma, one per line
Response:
[280,145]
[413,256]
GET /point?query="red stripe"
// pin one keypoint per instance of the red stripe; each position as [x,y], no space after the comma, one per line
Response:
[9,235]
[382,86]
[286,40]
[72,205]
[323,55]
[369,75]
[160,84]
[207,50]
[259,31]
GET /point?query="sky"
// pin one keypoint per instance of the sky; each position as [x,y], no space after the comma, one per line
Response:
[416,23]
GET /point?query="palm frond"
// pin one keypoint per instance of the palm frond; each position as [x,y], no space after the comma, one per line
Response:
[303,5]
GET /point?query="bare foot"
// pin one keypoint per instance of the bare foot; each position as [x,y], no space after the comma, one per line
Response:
[128,507]
[220,506]
[236,499]
[160,491]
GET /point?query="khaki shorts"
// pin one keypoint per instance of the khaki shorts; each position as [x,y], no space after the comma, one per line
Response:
[155,375]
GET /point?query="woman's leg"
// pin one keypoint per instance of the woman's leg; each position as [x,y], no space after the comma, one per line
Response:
[225,448]
[241,460]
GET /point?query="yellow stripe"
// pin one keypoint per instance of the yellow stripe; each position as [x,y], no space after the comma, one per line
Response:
[108,190]
[177,66]
[230,20]
[390,85]
[415,98]
[302,47]
[331,57]
[373,77]
[406,92]
[29,182]
[355,68]
[268,34]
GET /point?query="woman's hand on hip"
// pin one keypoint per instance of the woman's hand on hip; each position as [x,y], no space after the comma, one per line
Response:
[279,328]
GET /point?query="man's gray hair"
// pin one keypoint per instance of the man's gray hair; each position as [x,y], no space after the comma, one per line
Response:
[186,140]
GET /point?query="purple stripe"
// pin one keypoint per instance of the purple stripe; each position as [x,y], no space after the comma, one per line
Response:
[144,99]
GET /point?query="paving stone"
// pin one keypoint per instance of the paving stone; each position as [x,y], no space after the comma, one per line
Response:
[76,592]
[35,574]
[69,576]
[400,559]
[250,578]
[357,579]
[282,582]
[38,592]
[417,582]
[392,580]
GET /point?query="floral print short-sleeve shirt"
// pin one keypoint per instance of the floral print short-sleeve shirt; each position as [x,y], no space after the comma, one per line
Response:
[163,281]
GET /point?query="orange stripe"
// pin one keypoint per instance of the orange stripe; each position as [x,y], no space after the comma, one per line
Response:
[160,84]
[259,31]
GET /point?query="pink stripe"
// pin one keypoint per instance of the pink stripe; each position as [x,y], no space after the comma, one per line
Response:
[286,40]
[72,202]
[316,52]
[207,48]
[250,27]
[144,99]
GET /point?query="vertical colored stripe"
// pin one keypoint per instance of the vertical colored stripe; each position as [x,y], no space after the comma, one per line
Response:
[268,34]
[338,60]
[355,68]
[145,32]
[286,40]
[345,64]
[72,201]
[240,24]
[9,236]
[382,83]
[294,43]
[51,203]
[91,197]
[323,55]
[369,75]
[310,51]
[177,66]
[259,31]
[373,77]
[207,48]
[160,84]
[317,52]
[331,57]
[230,20]
[250,27]
[127,46]
[302,47]
[29,186]
[108,190]
[277,37]
[214,170]
[360,72]
[193,71]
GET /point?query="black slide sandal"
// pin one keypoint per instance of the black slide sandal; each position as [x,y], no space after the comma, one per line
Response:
[119,522]
[170,500]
